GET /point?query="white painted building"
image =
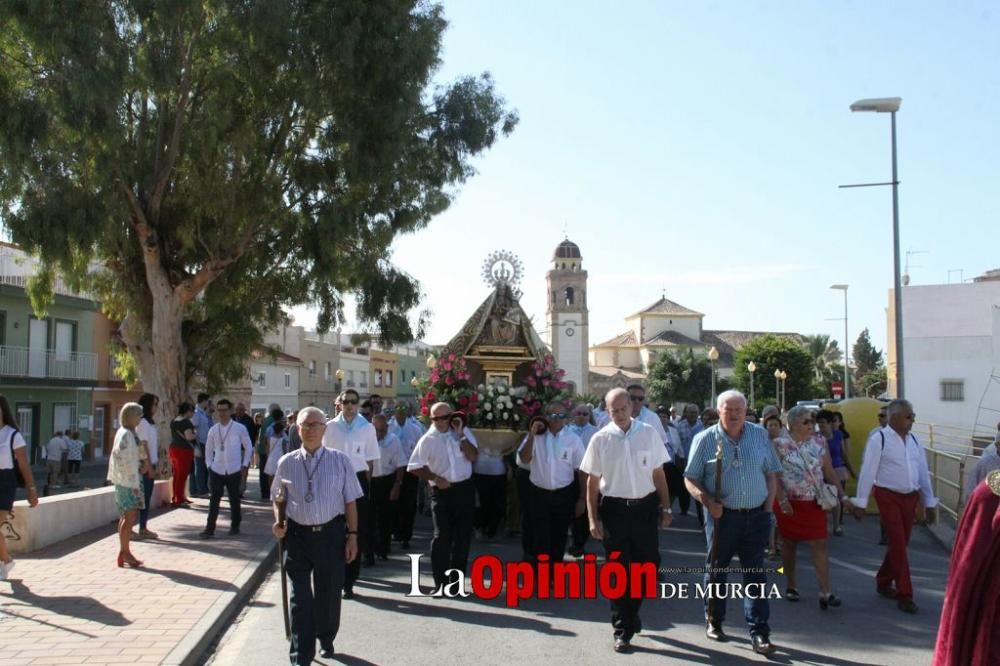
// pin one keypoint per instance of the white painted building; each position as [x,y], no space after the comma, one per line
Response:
[274,378]
[951,343]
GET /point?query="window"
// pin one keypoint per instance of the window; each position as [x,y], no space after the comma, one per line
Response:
[65,341]
[569,294]
[63,416]
[3,327]
[377,377]
[952,390]
[288,380]
[262,379]
[312,369]
[364,378]
[328,372]
[388,377]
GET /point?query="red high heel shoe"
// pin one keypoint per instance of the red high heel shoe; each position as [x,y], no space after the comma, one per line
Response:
[134,563]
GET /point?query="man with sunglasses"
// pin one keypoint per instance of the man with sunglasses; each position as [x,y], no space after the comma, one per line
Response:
[625,463]
[352,435]
[315,492]
[553,455]
[640,412]
[894,469]
[443,458]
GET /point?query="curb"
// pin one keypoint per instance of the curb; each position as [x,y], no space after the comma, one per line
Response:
[943,534]
[191,649]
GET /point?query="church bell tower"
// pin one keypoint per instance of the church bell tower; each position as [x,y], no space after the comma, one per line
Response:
[566,314]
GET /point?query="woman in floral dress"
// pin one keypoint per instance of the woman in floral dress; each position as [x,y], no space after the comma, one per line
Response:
[125,468]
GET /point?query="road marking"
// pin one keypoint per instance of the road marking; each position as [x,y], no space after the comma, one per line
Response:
[852,567]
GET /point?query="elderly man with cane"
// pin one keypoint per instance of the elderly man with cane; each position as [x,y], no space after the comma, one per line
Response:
[314,491]
[735,459]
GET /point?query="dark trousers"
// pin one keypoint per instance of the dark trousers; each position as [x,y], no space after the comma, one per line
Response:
[265,479]
[675,484]
[199,479]
[580,527]
[551,514]
[383,512]
[314,563]
[231,484]
[897,511]
[407,507]
[523,484]
[364,532]
[147,495]
[745,534]
[632,530]
[491,491]
[453,512]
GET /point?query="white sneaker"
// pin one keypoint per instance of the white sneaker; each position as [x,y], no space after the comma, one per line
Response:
[6,568]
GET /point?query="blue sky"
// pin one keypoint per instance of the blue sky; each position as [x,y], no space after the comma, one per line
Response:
[697,147]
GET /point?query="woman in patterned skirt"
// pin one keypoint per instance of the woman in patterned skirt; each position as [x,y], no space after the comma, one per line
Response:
[126,466]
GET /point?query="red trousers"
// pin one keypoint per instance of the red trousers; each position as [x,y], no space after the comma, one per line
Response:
[897,511]
[181,459]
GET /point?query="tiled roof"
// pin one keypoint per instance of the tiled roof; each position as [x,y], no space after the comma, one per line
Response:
[626,339]
[611,371]
[277,356]
[671,339]
[665,306]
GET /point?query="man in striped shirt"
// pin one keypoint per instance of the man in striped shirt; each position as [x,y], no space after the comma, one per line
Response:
[314,493]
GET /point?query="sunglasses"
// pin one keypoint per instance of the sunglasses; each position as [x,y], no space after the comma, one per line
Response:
[555,416]
[348,402]
[637,398]
[441,418]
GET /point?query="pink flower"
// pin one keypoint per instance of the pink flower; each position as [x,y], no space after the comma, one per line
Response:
[446,366]
[425,411]
[451,357]
[435,376]
[545,382]
[448,381]
[530,381]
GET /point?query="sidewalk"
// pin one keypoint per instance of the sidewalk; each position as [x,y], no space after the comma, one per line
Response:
[70,604]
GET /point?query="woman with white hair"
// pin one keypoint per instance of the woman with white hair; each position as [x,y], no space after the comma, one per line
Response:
[126,467]
[805,463]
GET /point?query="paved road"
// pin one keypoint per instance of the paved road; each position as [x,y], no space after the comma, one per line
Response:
[383,626]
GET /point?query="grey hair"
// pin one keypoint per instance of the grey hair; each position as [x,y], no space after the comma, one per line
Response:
[726,396]
[795,413]
[614,393]
[584,405]
[129,409]
[306,411]
[897,406]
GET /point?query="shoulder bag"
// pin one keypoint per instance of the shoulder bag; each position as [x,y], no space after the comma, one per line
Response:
[827,495]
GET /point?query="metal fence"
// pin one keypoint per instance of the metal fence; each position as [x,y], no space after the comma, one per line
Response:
[951,453]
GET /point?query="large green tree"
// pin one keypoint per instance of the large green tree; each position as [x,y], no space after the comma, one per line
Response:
[681,377]
[867,359]
[825,354]
[770,353]
[219,160]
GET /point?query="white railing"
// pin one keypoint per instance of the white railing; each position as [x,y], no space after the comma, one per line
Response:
[47,364]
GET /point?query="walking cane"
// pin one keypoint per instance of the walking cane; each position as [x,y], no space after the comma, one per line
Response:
[714,553]
[284,589]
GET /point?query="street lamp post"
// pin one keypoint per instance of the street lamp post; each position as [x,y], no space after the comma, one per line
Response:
[713,356]
[890,105]
[784,376]
[777,388]
[751,368]
[847,386]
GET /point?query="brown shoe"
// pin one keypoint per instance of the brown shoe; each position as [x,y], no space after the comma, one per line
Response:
[887,592]
[907,606]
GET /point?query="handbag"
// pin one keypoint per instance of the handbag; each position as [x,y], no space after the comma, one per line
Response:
[827,495]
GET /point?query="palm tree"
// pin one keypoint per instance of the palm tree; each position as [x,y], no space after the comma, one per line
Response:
[824,352]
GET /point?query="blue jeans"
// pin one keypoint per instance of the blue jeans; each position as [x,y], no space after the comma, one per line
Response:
[199,479]
[745,535]
[147,495]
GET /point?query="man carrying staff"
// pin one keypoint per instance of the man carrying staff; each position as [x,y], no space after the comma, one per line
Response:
[443,457]
[625,463]
[740,512]
[314,493]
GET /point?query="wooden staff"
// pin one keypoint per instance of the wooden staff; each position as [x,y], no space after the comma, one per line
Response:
[284,589]
[714,553]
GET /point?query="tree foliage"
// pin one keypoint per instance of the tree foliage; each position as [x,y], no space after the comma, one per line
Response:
[770,353]
[867,358]
[681,377]
[825,355]
[220,161]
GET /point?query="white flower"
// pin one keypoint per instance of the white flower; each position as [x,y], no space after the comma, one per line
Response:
[489,417]
[506,416]
[482,397]
[481,388]
[520,402]
[487,406]
[501,389]
[516,417]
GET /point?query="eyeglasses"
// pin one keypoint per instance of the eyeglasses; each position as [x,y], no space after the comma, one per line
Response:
[348,402]
[910,417]
[581,414]
[309,425]
[441,418]
[556,416]
[637,398]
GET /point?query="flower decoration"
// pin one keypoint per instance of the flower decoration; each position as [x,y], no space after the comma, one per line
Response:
[545,384]
[448,382]
[496,407]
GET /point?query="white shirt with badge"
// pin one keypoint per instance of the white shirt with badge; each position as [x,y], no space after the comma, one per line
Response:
[441,453]
[554,459]
[357,439]
[390,456]
[625,461]
[228,448]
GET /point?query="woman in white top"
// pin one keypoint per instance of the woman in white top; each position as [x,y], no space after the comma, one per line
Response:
[12,449]
[127,466]
[146,432]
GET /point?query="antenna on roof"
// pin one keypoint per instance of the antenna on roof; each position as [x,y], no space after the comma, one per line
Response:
[565,229]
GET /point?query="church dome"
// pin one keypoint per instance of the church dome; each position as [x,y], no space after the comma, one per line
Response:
[567,250]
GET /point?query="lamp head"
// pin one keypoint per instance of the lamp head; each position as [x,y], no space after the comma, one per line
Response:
[751,366]
[842,287]
[713,354]
[878,104]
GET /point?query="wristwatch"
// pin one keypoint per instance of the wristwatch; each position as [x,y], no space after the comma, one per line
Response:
[666,510]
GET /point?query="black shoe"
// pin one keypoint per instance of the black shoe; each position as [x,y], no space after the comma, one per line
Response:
[762,644]
[382,557]
[829,600]
[887,592]
[575,552]
[714,631]
[622,645]
[792,594]
[907,606]
[207,534]
[348,594]
[326,651]
[234,531]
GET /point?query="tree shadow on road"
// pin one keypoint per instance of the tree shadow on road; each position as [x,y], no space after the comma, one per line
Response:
[85,608]
[191,579]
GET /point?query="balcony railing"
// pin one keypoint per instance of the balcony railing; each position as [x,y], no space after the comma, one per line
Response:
[16,268]
[47,364]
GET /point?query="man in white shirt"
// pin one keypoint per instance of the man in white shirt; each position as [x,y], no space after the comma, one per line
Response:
[637,396]
[443,458]
[558,493]
[409,431]
[228,452]
[53,459]
[350,433]
[387,481]
[625,463]
[895,465]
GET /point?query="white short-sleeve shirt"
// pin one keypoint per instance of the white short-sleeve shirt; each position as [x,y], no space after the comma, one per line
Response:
[390,456]
[146,432]
[625,461]
[356,439]
[6,448]
[441,453]
[555,459]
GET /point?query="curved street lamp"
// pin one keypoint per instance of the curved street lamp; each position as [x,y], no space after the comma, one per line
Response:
[713,356]
[751,368]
